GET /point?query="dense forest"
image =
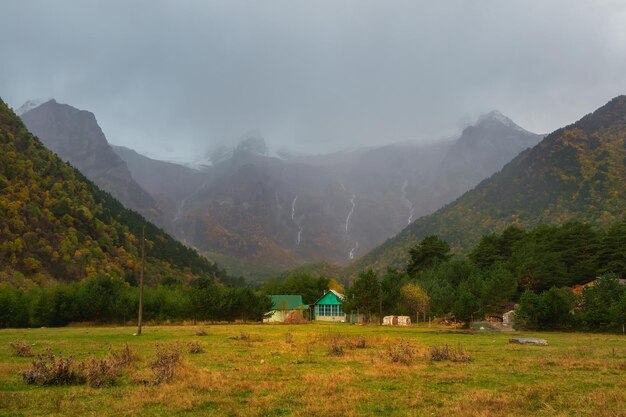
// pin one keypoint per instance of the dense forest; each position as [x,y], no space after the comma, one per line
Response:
[560,277]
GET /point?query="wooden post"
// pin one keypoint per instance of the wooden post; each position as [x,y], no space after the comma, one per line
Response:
[380,305]
[143,263]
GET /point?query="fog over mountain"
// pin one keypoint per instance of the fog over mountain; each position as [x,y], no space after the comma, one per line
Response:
[241,202]
[174,80]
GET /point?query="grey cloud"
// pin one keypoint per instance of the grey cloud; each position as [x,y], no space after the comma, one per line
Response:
[171,78]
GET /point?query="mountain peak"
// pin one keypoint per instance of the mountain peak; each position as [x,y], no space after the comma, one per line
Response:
[496,116]
[29,105]
[252,143]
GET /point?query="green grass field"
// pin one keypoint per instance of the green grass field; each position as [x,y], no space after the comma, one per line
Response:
[284,370]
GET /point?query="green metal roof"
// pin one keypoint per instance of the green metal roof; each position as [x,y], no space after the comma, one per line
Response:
[286,302]
[331,297]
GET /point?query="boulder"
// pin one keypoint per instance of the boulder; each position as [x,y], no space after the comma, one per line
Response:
[529,341]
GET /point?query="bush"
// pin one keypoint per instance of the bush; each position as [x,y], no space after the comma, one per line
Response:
[22,349]
[401,352]
[359,343]
[124,356]
[335,348]
[444,353]
[195,347]
[100,372]
[52,370]
[164,366]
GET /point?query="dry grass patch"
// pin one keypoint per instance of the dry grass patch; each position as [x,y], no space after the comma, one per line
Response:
[445,353]
[22,349]
[194,348]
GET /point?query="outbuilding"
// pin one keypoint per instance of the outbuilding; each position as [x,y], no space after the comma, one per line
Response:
[286,308]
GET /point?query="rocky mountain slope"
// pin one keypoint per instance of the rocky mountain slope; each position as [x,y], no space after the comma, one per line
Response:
[287,212]
[74,135]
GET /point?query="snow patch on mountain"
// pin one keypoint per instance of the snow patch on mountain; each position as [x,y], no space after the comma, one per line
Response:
[496,116]
[29,105]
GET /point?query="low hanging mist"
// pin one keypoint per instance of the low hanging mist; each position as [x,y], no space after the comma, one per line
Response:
[176,81]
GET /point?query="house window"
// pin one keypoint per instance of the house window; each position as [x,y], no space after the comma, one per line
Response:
[328,310]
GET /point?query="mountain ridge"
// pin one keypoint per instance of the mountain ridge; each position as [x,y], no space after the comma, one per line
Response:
[56,225]
[76,137]
[575,173]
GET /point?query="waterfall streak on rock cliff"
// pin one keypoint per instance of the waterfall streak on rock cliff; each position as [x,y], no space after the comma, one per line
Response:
[293,218]
[407,202]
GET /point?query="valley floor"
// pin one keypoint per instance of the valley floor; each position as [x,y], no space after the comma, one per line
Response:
[286,370]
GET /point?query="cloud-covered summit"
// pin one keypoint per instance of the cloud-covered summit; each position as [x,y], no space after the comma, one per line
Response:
[175,79]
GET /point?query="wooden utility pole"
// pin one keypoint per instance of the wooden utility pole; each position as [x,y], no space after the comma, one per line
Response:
[380,305]
[143,264]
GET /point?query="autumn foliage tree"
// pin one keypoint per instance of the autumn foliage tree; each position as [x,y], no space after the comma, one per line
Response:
[416,299]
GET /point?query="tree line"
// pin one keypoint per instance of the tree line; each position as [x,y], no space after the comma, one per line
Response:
[533,270]
[105,298]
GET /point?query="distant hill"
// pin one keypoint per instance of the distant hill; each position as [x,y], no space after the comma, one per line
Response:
[56,225]
[576,173]
[75,136]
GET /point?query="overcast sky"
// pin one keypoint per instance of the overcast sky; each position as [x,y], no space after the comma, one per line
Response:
[170,78]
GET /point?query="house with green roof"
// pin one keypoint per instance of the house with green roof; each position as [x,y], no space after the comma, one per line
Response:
[285,308]
[329,307]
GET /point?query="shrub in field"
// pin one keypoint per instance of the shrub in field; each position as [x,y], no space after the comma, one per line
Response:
[21,349]
[49,369]
[444,353]
[357,343]
[401,352]
[124,357]
[100,372]
[194,347]
[335,348]
[164,365]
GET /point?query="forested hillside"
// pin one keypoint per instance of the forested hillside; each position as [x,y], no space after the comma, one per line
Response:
[576,173]
[55,225]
